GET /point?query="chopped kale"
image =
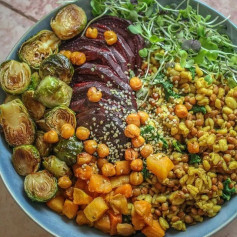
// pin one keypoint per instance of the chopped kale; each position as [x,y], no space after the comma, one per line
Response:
[145,171]
[178,146]
[194,159]
[193,72]
[227,191]
[199,109]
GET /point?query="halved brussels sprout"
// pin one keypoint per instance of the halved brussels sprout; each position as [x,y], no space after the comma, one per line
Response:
[69,22]
[57,167]
[43,147]
[35,108]
[57,65]
[18,127]
[26,159]
[40,186]
[10,97]
[52,92]
[14,77]
[68,149]
[35,80]
[39,47]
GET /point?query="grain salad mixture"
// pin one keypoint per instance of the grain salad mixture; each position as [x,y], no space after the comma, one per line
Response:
[129,122]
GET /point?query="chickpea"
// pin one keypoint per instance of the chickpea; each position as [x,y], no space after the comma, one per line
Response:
[101,162]
[51,137]
[135,83]
[102,150]
[84,158]
[90,146]
[66,53]
[131,154]
[146,150]
[133,119]
[67,130]
[78,58]
[108,170]
[188,219]
[136,178]
[143,117]
[91,33]
[136,165]
[64,182]
[94,95]
[138,141]
[110,37]
[132,131]
[181,111]
[82,133]
[193,147]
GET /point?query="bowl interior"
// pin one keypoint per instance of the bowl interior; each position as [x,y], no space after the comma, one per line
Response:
[61,226]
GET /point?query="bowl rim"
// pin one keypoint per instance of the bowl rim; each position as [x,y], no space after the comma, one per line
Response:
[228,221]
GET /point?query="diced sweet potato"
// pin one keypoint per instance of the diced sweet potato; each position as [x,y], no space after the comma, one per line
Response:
[99,184]
[103,224]
[56,204]
[81,184]
[70,209]
[153,231]
[81,219]
[115,219]
[143,208]
[80,197]
[125,190]
[125,229]
[159,165]
[119,204]
[96,209]
[137,221]
[122,167]
[120,180]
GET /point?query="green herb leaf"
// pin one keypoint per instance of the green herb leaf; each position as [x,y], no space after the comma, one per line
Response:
[135,29]
[143,52]
[145,172]
[155,39]
[178,146]
[208,79]
[199,109]
[193,72]
[194,159]
[227,192]
[98,7]
[183,54]
[231,82]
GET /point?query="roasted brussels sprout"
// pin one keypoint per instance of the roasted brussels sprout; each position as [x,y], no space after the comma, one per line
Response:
[18,127]
[43,147]
[35,80]
[35,108]
[57,167]
[10,98]
[52,92]
[68,149]
[39,47]
[26,159]
[57,65]
[14,77]
[40,186]
[69,22]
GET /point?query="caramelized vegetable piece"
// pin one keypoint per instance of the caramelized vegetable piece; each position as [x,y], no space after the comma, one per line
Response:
[108,170]
[91,33]
[138,221]
[125,190]
[119,204]
[84,158]
[78,58]
[94,95]
[99,184]
[160,165]
[122,167]
[95,209]
[110,37]
[84,172]
[153,231]
[64,182]
[125,229]
[143,208]
[115,219]
[80,197]
[56,204]
[70,209]
[118,181]
[103,224]
[193,147]
[81,219]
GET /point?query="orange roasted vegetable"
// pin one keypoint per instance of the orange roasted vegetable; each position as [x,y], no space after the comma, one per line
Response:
[181,111]
[138,221]
[80,197]
[122,167]
[143,208]
[120,180]
[110,37]
[125,229]
[81,219]
[193,147]
[103,224]
[99,184]
[160,165]
[69,209]
[81,184]
[83,173]
[56,204]
[91,33]
[154,231]
[115,219]
[125,190]
[78,58]
[119,204]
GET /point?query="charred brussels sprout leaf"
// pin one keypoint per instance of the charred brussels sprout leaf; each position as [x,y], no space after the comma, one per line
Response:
[40,186]
[52,92]
[35,108]
[14,77]
[68,149]
[39,47]
[55,166]
[57,65]
[43,147]
[18,127]
[69,22]
[26,159]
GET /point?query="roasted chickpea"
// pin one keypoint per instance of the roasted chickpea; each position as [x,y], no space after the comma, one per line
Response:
[84,158]
[66,53]
[78,58]
[94,95]
[138,141]
[90,146]
[108,170]
[101,162]
[67,130]
[143,117]
[181,111]
[132,131]
[110,37]
[102,150]
[133,119]
[51,137]
[193,147]
[136,165]
[135,83]
[91,33]
[64,182]
[82,133]
[146,150]
[84,172]
[131,154]
[136,178]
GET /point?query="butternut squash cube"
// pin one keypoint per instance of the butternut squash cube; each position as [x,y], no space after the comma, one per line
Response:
[119,180]
[154,231]
[99,184]
[70,209]
[80,197]
[103,224]
[56,204]
[81,219]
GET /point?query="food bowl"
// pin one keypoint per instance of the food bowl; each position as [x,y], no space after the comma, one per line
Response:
[59,225]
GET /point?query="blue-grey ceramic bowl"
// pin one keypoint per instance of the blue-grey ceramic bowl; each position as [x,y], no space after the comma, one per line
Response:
[59,225]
